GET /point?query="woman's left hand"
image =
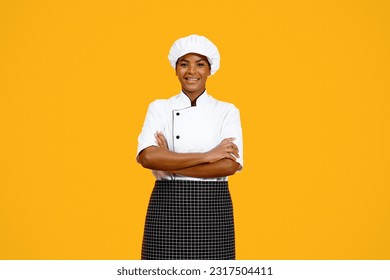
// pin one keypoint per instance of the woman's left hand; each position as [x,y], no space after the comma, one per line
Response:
[161,141]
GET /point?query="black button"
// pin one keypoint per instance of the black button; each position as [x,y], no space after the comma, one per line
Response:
[177,114]
[177,137]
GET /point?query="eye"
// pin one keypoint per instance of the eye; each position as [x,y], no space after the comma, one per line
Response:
[183,64]
[200,64]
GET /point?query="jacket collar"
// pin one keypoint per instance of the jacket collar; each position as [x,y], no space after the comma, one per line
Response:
[185,101]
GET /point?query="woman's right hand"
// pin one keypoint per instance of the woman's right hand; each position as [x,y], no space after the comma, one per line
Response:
[226,149]
[161,141]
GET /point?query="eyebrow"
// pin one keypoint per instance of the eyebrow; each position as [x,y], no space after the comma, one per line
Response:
[185,60]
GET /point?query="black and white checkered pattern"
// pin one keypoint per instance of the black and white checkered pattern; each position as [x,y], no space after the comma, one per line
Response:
[189,220]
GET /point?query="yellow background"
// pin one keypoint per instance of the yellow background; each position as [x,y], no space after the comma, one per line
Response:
[311,79]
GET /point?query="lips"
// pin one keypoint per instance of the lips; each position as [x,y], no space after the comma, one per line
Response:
[192,79]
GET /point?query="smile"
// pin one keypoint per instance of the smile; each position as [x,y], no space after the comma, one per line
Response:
[192,79]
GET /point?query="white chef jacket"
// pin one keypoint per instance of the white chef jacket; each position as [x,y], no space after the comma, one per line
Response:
[191,129]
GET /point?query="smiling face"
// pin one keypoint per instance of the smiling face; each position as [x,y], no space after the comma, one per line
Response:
[192,70]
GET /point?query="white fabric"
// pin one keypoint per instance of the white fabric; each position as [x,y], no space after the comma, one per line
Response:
[195,44]
[200,128]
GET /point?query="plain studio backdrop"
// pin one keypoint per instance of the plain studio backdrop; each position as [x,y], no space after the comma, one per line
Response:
[311,80]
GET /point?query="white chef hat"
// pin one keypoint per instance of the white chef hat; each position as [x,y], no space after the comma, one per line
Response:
[195,44]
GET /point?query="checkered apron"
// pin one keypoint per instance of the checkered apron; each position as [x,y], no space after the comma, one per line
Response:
[189,220]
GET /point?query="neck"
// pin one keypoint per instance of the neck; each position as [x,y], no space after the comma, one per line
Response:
[193,96]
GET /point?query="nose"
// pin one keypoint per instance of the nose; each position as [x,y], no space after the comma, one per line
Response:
[191,69]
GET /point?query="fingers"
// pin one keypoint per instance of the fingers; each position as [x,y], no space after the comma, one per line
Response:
[160,140]
[227,140]
[228,144]
[223,150]
[230,156]
[232,148]
[159,136]
[235,153]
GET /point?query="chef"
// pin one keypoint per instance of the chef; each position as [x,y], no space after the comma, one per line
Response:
[192,143]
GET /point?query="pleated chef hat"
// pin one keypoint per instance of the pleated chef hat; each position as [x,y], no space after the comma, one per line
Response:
[195,44]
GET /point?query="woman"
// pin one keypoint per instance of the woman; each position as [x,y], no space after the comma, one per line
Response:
[191,142]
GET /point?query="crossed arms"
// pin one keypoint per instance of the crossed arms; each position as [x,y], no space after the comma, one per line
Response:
[218,162]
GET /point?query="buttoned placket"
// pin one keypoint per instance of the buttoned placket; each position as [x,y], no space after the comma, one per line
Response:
[175,134]
[178,115]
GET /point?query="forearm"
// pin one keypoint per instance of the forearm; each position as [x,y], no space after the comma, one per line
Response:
[157,158]
[221,168]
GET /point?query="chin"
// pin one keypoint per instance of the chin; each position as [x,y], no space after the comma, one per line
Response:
[191,90]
